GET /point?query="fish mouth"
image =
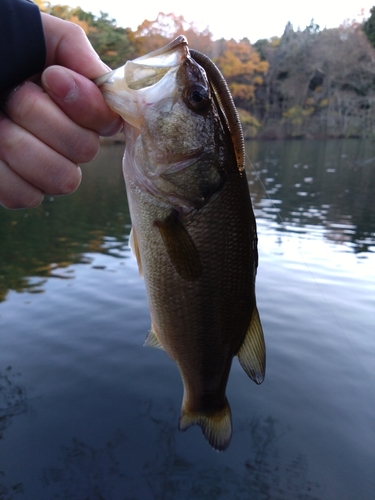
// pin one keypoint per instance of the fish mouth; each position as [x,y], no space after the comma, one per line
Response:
[172,54]
[147,70]
[129,89]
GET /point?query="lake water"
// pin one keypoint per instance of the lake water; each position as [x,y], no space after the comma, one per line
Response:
[88,413]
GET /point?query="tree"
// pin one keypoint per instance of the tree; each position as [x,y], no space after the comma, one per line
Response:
[368,27]
[243,69]
[109,41]
[320,83]
[151,35]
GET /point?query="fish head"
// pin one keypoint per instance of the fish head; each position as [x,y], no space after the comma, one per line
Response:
[175,139]
[181,137]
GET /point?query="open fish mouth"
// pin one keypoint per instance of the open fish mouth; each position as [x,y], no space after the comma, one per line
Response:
[156,69]
[149,69]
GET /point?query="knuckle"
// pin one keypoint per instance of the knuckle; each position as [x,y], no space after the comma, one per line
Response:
[24,102]
[14,141]
[77,30]
[85,147]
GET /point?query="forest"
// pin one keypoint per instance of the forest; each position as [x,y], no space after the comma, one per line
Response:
[308,83]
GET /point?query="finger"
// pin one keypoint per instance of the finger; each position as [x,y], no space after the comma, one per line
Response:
[45,169]
[15,192]
[67,45]
[81,100]
[33,110]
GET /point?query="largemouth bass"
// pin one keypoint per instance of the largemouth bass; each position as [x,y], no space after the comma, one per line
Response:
[193,226]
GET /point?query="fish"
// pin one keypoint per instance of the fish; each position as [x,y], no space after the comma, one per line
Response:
[193,226]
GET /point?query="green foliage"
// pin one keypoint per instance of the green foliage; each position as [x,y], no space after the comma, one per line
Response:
[368,27]
[109,41]
[250,124]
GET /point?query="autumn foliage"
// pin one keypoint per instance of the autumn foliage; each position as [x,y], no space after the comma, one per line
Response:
[307,82]
[243,69]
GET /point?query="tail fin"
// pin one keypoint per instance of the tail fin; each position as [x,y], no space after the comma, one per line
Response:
[216,427]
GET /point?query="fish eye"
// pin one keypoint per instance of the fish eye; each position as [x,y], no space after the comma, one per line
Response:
[197,97]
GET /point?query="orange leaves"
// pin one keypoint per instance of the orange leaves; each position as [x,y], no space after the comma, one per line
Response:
[151,35]
[242,91]
[242,67]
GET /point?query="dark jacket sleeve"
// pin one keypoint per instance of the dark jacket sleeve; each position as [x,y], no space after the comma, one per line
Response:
[22,44]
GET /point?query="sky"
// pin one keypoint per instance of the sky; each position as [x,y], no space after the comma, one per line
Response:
[233,19]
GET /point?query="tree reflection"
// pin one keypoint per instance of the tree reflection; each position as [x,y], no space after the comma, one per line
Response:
[327,185]
[64,230]
[268,476]
[162,473]
[13,402]
[85,473]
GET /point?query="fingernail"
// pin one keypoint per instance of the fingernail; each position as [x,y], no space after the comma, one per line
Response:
[5,96]
[59,82]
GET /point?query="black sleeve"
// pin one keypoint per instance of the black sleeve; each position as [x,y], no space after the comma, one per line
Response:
[22,45]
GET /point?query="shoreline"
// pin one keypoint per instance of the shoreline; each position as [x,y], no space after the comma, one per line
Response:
[120,139]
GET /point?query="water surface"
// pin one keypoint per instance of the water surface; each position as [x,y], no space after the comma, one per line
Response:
[86,412]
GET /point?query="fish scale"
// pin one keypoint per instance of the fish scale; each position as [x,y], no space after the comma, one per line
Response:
[194,231]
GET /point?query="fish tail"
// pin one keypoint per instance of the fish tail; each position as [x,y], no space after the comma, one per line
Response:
[216,427]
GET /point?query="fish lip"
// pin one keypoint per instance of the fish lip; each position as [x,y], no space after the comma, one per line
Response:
[170,49]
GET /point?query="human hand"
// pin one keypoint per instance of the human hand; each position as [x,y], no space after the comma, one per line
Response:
[50,124]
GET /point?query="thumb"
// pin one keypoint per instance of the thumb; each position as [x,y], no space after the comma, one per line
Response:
[68,46]
[80,99]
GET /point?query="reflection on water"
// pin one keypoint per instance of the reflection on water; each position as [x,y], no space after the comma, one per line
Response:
[62,231]
[13,399]
[13,402]
[324,186]
[73,318]
[83,471]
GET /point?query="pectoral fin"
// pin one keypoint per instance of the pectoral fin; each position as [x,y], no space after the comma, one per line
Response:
[152,339]
[180,247]
[133,244]
[252,353]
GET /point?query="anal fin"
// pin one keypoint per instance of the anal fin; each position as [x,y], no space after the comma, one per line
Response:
[252,353]
[152,339]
